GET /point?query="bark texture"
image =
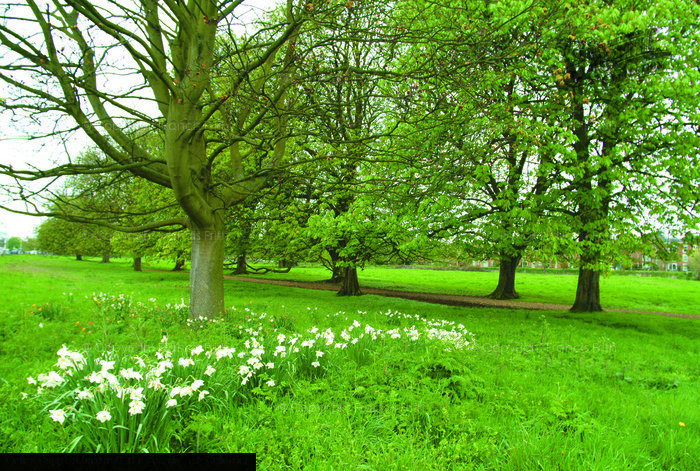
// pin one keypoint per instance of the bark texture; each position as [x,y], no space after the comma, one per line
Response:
[351,285]
[506,278]
[587,291]
[179,262]
[241,265]
[207,272]
[137,264]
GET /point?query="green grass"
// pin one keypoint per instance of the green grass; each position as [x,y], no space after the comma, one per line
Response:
[537,390]
[617,292]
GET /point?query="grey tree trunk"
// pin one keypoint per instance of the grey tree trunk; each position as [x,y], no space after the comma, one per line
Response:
[105,258]
[207,272]
[137,264]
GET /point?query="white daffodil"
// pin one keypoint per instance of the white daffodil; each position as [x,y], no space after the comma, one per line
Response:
[224,352]
[136,394]
[203,394]
[271,383]
[96,377]
[270,365]
[185,362]
[171,403]
[130,374]
[196,384]
[319,354]
[196,351]
[139,362]
[31,380]
[165,364]
[209,371]
[136,407]
[58,415]
[156,385]
[257,352]
[315,364]
[175,391]
[63,351]
[86,394]
[53,380]
[103,416]
[107,365]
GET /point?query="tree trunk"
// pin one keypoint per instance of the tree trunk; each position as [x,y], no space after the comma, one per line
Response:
[351,285]
[506,278]
[207,272]
[587,291]
[241,265]
[78,258]
[105,258]
[179,262]
[285,264]
[337,276]
[137,264]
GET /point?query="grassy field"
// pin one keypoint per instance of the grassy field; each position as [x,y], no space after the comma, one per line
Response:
[531,389]
[617,292]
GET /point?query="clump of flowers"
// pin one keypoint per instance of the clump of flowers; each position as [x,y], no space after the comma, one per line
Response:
[121,404]
[201,322]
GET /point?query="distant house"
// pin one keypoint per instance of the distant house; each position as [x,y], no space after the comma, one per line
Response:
[677,261]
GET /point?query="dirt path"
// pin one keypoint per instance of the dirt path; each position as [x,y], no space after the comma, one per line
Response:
[437,298]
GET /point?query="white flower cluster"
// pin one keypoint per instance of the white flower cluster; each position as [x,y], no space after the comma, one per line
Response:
[199,322]
[118,302]
[103,381]
[454,337]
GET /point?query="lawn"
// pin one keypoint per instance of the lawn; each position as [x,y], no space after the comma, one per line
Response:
[530,389]
[617,292]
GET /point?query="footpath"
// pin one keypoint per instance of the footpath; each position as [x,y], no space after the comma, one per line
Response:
[446,299]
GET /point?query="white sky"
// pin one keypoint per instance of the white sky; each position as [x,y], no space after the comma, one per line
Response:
[15,150]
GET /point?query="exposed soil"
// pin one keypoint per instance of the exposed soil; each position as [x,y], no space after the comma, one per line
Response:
[437,298]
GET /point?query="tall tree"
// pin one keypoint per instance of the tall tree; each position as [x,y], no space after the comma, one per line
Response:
[623,72]
[70,60]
